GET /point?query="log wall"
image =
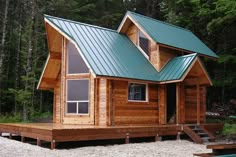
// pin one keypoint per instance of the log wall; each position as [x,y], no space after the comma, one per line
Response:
[128,113]
[57,102]
[191,104]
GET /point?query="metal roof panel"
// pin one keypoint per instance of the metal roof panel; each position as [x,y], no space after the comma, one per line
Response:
[107,52]
[171,35]
[176,67]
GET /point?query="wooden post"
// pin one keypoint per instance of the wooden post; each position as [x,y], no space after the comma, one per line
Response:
[0,134]
[10,136]
[127,138]
[22,139]
[178,136]
[53,144]
[198,104]
[157,138]
[39,142]
[162,104]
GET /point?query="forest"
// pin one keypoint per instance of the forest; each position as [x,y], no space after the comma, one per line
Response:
[23,47]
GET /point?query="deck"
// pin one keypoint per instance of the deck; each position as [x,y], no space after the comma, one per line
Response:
[63,133]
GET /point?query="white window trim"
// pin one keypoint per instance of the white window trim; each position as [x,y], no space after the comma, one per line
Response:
[77,101]
[147,98]
[77,108]
[145,55]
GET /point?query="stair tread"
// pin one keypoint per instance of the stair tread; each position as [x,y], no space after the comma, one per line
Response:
[206,138]
[202,133]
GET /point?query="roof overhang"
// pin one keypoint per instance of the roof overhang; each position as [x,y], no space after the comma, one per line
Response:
[52,66]
[196,73]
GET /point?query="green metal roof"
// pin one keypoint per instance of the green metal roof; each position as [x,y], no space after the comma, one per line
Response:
[176,67]
[171,35]
[109,53]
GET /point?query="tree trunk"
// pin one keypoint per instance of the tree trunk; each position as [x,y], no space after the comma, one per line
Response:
[2,46]
[29,58]
[17,68]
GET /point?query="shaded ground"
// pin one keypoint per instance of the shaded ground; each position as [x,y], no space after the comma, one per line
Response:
[169,148]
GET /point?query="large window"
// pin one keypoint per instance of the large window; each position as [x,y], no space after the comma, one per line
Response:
[75,64]
[143,42]
[137,92]
[77,96]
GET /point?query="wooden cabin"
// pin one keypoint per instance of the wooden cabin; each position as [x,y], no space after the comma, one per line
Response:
[147,72]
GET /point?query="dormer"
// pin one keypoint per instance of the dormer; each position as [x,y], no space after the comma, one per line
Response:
[159,42]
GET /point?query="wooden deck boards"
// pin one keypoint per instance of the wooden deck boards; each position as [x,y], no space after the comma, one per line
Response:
[61,133]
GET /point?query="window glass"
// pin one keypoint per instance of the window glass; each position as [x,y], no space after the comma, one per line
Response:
[75,62]
[77,96]
[71,107]
[77,90]
[143,43]
[83,107]
[137,92]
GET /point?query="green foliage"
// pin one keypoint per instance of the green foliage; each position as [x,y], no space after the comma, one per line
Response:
[38,115]
[10,118]
[213,21]
[229,129]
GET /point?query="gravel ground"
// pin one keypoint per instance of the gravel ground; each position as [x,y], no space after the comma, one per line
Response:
[13,148]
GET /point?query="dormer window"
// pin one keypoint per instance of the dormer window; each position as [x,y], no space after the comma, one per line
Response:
[143,43]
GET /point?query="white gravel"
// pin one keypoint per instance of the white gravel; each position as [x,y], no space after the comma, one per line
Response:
[13,148]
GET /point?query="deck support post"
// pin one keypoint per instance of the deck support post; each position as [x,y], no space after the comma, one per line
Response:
[38,142]
[157,138]
[53,142]
[0,134]
[10,135]
[178,136]
[22,139]
[127,138]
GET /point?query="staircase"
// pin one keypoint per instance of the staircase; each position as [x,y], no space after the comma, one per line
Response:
[198,134]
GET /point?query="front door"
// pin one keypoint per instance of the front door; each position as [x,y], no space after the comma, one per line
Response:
[171,103]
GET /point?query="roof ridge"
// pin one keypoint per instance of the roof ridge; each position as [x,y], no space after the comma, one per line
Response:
[81,23]
[189,55]
[159,21]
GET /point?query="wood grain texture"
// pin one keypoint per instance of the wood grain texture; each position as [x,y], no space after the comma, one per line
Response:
[162,104]
[128,113]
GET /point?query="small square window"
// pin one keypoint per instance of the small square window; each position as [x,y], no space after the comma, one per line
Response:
[137,92]
[71,107]
[83,107]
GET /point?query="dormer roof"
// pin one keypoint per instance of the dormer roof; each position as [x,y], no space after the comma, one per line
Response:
[168,34]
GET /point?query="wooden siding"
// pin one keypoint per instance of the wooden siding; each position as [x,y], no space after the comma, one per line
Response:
[191,103]
[102,104]
[165,55]
[57,102]
[128,113]
[132,33]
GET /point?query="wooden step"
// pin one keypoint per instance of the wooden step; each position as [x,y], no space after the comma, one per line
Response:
[204,154]
[193,135]
[202,134]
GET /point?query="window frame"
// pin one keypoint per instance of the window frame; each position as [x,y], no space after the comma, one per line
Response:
[139,47]
[77,101]
[146,94]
